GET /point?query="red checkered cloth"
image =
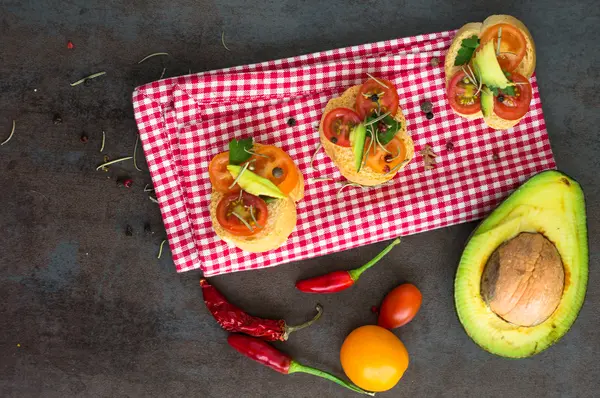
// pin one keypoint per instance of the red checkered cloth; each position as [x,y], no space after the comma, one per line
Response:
[185,121]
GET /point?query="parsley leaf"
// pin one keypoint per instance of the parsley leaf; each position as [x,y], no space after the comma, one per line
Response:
[509,90]
[494,90]
[237,150]
[465,52]
[392,127]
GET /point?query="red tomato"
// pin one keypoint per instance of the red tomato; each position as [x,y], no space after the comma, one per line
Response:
[338,124]
[248,203]
[372,96]
[513,45]
[220,177]
[514,107]
[400,306]
[461,94]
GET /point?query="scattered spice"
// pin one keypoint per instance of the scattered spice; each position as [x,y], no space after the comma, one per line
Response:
[11,134]
[85,79]
[429,115]
[449,146]
[106,159]
[428,157]
[70,45]
[291,122]
[103,140]
[137,139]
[57,119]
[495,156]
[128,230]
[128,183]
[386,169]
[398,166]
[223,41]
[153,199]
[113,162]
[152,55]
[147,228]
[426,106]
[160,250]
[374,309]
[84,138]
[434,61]
[163,73]
[277,172]
[348,184]
[148,189]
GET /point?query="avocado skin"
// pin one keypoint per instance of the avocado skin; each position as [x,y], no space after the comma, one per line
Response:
[492,333]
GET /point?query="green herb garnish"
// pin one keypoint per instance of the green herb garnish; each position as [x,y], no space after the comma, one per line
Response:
[113,161]
[103,141]
[92,76]
[509,90]
[238,151]
[391,124]
[465,52]
[160,250]
[494,90]
[11,133]
[152,55]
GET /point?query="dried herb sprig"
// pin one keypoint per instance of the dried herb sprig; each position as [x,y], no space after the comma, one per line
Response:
[103,141]
[11,133]
[163,73]
[348,184]
[146,189]
[153,199]
[378,81]
[223,41]
[137,139]
[160,250]
[113,161]
[92,76]
[152,55]
[312,159]
[319,179]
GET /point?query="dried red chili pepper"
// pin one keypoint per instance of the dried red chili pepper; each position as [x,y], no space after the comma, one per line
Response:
[233,319]
[340,280]
[262,352]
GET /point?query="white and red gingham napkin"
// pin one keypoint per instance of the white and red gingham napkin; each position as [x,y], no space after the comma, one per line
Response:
[185,121]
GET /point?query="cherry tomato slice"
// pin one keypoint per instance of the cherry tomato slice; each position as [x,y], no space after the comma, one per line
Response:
[514,107]
[400,306]
[372,97]
[220,178]
[513,45]
[382,161]
[232,203]
[270,157]
[461,94]
[338,124]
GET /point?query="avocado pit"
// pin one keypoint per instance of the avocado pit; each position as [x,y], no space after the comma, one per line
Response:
[523,280]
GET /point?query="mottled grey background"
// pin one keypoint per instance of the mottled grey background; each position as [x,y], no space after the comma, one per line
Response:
[87,311]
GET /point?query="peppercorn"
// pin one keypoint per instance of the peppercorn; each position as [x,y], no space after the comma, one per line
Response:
[374,98]
[277,172]
[84,138]
[388,158]
[147,228]
[426,106]
[449,146]
[57,119]
[128,183]
[434,61]
[128,230]
[386,169]
[334,140]
[500,98]
[495,156]
[429,115]
[291,122]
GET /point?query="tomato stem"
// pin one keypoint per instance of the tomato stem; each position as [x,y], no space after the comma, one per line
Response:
[355,273]
[296,367]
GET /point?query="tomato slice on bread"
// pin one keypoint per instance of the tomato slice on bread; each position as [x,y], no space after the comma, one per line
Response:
[338,124]
[233,208]
[513,45]
[382,161]
[268,159]
[220,177]
[373,97]
[513,107]
[462,94]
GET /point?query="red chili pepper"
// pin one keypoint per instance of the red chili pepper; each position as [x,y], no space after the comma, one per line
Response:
[233,319]
[264,353]
[340,280]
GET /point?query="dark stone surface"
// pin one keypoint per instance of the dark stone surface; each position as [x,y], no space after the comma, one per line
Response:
[87,311]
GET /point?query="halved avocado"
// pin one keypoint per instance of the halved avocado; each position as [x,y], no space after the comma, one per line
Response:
[510,262]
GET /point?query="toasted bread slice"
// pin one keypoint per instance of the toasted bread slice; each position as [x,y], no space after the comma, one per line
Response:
[343,157]
[280,224]
[525,68]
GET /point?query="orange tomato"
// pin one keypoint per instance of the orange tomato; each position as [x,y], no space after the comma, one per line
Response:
[373,358]
[377,158]
[513,45]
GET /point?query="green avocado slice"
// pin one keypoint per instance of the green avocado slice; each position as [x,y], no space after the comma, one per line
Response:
[358,136]
[487,102]
[551,204]
[488,68]
[255,184]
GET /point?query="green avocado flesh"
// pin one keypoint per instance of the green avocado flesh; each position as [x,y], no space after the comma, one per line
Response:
[487,102]
[358,137]
[487,67]
[553,205]
[255,184]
